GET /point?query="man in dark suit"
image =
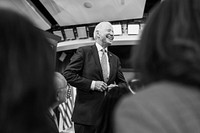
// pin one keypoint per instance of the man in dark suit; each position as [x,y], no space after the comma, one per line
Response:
[93,70]
[61,97]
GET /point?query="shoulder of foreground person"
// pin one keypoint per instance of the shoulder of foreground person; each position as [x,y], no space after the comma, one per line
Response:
[159,108]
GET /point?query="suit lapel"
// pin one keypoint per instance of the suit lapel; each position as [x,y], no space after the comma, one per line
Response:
[52,119]
[96,59]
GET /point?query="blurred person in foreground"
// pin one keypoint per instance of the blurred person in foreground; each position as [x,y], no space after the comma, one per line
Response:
[26,83]
[93,70]
[61,87]
[105,121]
[169,61]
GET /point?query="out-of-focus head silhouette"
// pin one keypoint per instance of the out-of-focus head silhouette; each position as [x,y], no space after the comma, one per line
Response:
[27,74]
[170,44]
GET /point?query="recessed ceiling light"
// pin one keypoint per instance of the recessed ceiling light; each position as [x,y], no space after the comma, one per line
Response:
[87,5]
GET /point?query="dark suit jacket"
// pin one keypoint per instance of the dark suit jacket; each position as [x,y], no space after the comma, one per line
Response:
[51,123]
[82,69]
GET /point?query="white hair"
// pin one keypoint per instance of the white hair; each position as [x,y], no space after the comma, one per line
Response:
[60,80]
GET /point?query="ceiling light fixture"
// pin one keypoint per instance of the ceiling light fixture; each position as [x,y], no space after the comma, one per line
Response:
[87,5]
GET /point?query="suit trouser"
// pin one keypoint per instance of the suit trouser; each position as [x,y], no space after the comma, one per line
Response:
[80,128]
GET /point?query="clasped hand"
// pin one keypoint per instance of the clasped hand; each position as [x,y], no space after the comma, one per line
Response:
[102,86]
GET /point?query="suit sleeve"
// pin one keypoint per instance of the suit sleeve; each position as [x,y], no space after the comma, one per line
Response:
[120,80]
[73,71]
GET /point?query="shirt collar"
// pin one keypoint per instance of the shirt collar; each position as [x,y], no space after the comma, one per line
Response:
[99,47]
[51,111]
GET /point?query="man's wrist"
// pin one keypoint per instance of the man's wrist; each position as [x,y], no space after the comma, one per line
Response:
[92,85]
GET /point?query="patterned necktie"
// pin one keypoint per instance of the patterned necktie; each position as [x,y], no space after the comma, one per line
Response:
[104,65]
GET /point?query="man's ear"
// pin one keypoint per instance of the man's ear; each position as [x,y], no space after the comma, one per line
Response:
[97,33]
[57,98]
